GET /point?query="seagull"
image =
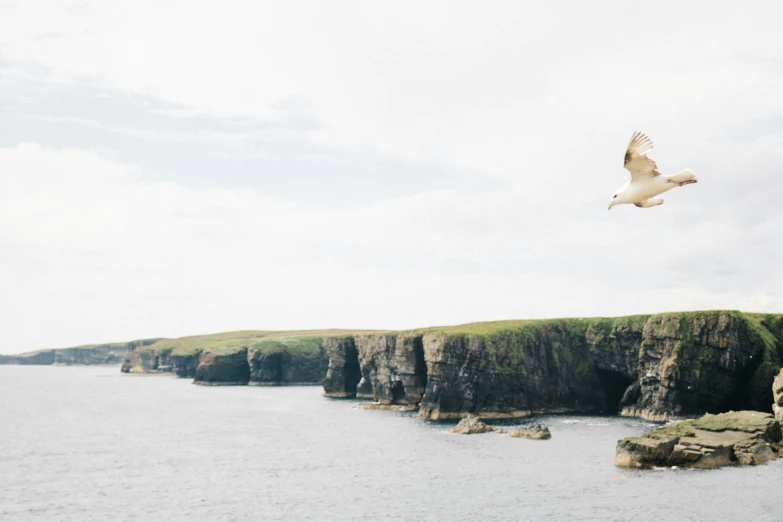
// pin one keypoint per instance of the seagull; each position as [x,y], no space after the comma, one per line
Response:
[646,182]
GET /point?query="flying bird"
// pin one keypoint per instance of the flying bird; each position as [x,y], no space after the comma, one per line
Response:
[646,181]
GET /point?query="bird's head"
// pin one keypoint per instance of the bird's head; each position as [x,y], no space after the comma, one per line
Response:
[614,201]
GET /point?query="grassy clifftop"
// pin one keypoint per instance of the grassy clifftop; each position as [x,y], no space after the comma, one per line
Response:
[768,326]
[233,341]
[521,325]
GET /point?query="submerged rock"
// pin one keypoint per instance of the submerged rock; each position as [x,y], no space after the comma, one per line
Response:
[536,432]
[712,441]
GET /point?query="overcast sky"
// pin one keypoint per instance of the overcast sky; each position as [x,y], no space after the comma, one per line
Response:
[173,168]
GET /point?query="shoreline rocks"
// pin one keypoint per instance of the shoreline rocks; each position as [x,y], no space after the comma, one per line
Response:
[535,432]
[471,425]
[711,441]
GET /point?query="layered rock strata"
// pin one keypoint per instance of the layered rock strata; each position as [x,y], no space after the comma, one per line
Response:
[287,361]
[660,367]
[343,372]
[295,361]
[218,368]
[744,437]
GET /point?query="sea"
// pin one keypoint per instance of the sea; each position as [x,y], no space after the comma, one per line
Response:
[89,443]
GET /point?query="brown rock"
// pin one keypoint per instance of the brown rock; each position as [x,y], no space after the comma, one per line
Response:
[471,424]
[535,432]
[711,441]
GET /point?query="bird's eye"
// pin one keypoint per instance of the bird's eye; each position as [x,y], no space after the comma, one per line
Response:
[614,196]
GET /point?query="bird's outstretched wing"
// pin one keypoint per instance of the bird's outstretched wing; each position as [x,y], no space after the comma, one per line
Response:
[636,160]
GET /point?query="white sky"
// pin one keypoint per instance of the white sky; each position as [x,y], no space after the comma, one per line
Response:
[173,168]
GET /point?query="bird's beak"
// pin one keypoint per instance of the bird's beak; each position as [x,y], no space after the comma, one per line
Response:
[610,206]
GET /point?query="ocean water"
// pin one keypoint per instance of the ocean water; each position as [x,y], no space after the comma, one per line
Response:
[87,443]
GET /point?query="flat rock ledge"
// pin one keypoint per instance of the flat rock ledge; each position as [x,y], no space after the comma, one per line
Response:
[392,407]
[472,424]
[712,441]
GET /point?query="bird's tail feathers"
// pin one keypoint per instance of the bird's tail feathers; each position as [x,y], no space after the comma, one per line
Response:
[685,176]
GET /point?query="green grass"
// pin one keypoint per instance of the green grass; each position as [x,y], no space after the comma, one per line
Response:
[668,431]
[734,421]
[497,333]
[497,327]
[764,325]
[111,346]
[232,341]
[294,345]
[745,421]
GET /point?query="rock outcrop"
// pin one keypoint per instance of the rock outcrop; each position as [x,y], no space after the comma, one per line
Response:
[343,373]
[223,368]
[692,363]
[185,365]
[471,425]
[712,441]
[534,432]
[660,367]
[392,367]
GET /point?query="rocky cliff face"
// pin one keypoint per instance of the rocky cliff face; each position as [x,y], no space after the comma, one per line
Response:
[216,368]
[694,363]
[288,362]
[160,361]
[185,365]
[656,367]
[145,361]
[343,373]
[111,353]
[543,367]
[45,357]
[393,368]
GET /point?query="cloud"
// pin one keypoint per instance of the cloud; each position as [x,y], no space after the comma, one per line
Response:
[303,164]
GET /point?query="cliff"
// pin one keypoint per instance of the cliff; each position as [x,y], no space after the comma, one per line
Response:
[223,367]
[658,367]
[110,353]
[297,360]
[263,358]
